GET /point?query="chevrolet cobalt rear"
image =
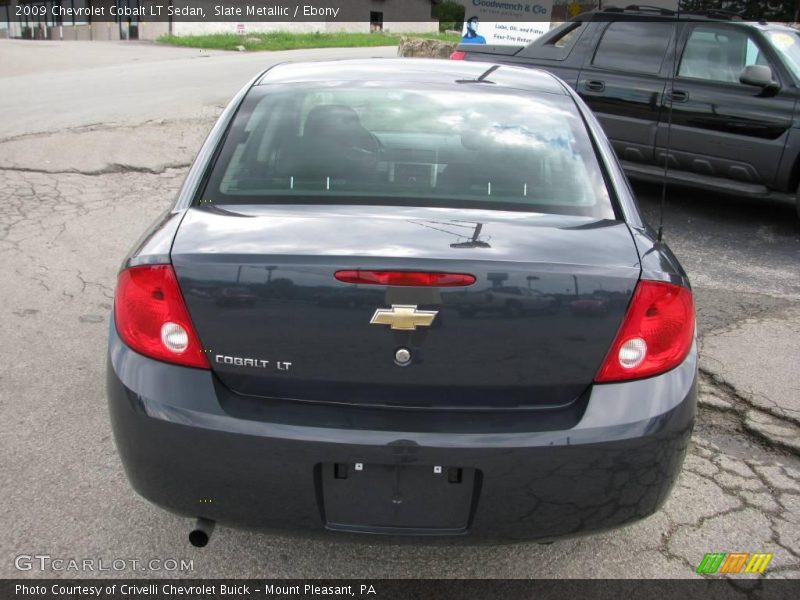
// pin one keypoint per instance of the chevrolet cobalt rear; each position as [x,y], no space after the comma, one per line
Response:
[406,298]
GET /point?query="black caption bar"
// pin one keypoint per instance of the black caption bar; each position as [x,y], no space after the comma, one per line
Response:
[361,11]
[388,589]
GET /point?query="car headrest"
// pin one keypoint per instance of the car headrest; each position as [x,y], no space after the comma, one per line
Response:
[330,119]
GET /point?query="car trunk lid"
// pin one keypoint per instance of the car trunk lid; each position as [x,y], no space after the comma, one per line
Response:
[531,332]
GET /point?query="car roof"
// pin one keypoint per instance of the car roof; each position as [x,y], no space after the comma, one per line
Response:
[645,13]
[416,70]
[776,27]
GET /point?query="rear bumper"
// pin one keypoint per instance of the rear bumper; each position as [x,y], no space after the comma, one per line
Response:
[184,452]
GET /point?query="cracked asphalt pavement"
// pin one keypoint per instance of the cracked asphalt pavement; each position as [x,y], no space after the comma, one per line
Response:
[94,148]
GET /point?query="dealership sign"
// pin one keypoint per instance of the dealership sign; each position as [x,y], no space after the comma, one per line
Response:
[505,22]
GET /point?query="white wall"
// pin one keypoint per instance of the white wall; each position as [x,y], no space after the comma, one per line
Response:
[411,27]
[196,28]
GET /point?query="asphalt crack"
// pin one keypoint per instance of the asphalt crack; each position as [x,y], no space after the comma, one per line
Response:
[110,169]
[718,395]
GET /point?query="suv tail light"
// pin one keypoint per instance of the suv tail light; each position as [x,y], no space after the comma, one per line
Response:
[458,55]
[152,318]
[655,336]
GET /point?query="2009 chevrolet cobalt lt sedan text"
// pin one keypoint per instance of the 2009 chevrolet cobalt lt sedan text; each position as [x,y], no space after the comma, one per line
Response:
[404,297]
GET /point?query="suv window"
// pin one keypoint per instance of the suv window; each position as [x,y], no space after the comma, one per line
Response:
[380,143]
[787,43]
[569,36]
[719,54]
[557,43]
[634,46]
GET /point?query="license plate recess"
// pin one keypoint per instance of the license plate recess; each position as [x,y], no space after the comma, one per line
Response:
[398,499]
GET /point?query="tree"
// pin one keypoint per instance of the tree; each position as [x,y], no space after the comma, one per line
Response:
[449,13]
[772,10]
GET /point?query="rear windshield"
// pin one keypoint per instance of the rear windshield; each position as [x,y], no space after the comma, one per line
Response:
[468,147]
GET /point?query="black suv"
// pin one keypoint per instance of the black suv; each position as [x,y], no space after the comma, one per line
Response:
[732,85]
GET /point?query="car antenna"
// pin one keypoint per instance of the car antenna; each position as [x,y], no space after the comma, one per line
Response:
[482,77]
[669,128]
[488,72]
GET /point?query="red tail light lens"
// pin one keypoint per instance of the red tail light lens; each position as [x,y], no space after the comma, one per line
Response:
[151,316]
[656,335]
[406,278]
[458,55]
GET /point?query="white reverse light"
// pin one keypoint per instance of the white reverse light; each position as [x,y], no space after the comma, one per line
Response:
[174,337]
[632,353]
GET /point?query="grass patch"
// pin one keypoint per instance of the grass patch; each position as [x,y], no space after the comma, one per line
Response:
[280,40]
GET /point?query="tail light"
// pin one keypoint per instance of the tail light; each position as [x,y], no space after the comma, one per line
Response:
[152,318]
[655,336]
[406,278]
[458,55]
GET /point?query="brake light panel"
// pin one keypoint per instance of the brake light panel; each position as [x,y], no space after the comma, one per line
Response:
[655,336]
[152,318]
[405,278]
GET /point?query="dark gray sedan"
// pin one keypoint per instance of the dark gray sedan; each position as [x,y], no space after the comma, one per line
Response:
[347,211]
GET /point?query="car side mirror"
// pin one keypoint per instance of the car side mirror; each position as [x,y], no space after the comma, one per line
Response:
[758,76]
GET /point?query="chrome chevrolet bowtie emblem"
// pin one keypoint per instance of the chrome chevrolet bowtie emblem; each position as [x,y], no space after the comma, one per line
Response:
[404,317]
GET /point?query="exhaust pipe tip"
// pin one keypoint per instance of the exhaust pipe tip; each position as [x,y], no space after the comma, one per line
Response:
[198,539]
[201,533]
